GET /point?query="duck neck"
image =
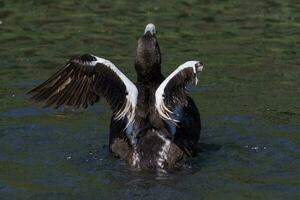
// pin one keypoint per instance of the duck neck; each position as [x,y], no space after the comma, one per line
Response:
[151,77]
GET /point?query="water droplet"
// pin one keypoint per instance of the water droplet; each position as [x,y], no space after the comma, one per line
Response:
[255,148]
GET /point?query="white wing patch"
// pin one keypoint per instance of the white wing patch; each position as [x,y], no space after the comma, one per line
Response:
[132,92]
[160,106]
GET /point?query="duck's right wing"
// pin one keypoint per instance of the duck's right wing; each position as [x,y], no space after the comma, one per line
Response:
[172,91]
[83,80]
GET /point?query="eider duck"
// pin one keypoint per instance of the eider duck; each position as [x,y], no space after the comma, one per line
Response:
[154,122]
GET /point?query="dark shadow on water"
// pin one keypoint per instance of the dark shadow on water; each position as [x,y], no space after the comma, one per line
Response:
[29,111]
[208,147]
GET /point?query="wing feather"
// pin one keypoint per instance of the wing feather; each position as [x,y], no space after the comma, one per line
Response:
[172,91]
[83,80]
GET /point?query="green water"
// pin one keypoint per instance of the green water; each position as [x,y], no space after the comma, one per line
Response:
[248,95]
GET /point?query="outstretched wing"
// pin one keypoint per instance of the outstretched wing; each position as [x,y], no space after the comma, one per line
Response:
[83,80]
[172,91]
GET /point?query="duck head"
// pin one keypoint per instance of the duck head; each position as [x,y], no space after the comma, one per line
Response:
[148,56]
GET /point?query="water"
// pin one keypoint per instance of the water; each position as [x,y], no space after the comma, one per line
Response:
[248,95]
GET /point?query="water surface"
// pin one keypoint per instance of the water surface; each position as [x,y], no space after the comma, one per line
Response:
[248,95]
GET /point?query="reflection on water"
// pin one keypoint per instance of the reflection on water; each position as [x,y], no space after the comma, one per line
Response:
[248,96]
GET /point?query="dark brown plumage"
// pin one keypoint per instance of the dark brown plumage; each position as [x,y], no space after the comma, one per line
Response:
[81,83]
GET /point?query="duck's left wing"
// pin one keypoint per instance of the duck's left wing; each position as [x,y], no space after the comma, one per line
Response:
[172,91]
[83,80]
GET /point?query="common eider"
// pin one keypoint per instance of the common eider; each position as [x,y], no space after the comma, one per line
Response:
[154,122]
